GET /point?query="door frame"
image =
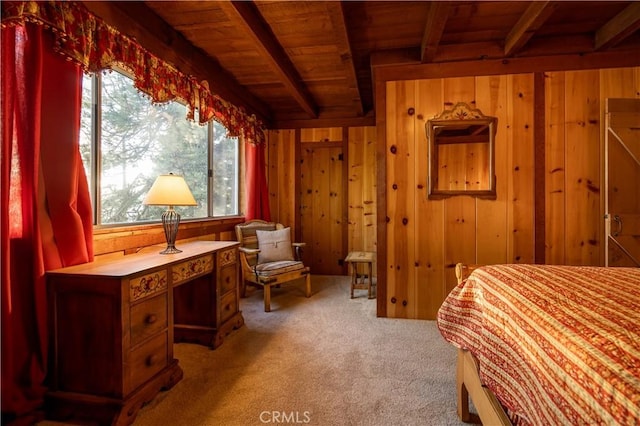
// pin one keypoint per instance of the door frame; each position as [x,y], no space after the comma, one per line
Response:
[344,220]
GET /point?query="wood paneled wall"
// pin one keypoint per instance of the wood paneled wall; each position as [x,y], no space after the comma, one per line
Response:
[575,126]
[284,180]
[362,189]
[554,117]
[425,238]
[281,177]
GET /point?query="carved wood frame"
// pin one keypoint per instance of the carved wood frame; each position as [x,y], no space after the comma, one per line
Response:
[460,114]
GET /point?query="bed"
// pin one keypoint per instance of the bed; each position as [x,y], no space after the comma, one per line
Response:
[545,344]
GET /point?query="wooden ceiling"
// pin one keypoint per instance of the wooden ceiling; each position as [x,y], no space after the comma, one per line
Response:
[300,60]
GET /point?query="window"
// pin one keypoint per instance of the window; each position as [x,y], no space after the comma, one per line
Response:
[126,142]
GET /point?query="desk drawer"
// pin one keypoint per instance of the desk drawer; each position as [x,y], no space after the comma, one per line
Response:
[227,257]
[228,279]
[148,360]
[148,284]
[228,306]
[187,270]
[148,318]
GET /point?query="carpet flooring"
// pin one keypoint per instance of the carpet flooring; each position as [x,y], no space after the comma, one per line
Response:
[325,360]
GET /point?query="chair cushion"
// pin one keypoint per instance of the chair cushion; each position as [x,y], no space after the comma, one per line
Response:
[274,246]
[276,268]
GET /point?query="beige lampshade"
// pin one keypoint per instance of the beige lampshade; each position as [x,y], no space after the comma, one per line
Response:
[169,190]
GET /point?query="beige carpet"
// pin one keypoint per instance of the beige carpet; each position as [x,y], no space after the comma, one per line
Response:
[326,360]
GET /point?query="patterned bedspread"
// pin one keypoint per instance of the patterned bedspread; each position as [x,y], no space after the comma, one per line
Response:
[557,345]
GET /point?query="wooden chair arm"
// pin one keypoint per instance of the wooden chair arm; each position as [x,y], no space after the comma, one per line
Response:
[248,250]
[297,248]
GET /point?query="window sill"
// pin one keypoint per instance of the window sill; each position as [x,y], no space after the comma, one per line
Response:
[130,238]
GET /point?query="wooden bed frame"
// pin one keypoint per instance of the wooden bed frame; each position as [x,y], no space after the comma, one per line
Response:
[468,383]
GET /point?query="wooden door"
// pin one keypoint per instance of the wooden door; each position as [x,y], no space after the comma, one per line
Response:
[622,199]
[322,212]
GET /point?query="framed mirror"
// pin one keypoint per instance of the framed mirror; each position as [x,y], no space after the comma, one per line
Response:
[461,153]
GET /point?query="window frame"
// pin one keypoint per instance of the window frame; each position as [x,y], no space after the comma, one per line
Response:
[94,179]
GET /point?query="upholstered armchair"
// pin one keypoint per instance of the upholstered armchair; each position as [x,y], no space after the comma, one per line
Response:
[269,258]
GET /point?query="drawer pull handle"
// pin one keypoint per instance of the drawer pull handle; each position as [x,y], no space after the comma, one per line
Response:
[151,359]
[151,319]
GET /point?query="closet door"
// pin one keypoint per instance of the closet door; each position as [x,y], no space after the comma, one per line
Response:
[322,210]
[622,196]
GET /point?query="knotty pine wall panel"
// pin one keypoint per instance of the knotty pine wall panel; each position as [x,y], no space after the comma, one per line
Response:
[493,235]
[428,237]
[520,176]
[428,276]
[361,226]
[362,189]
[555,188]
[574,147]
[582,143]
[401,162]
[281,168]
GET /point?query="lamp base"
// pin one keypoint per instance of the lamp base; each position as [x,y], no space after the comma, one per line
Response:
[170,222]
[171,250]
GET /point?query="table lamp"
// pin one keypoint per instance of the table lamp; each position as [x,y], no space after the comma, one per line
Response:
[170,190]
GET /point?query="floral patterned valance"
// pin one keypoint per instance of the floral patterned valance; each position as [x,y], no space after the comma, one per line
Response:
[86,39]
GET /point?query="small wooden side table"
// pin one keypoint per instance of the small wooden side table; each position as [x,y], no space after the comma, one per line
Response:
[358,280]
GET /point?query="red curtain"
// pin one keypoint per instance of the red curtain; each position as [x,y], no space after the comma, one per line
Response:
[46,218]
[257,194]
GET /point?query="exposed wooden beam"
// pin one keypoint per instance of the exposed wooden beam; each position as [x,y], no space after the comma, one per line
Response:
[619,27]
[341,34]
[530,22]
[436,21]
[246,16]
[159,38]
[419,71]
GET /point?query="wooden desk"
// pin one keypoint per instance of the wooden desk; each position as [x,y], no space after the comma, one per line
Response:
[113,324]
[358,280]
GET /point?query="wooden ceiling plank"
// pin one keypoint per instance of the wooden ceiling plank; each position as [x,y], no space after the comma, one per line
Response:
[250,22]
[530,22]
[619,27]
[169,45]
[436,21]
[341,34]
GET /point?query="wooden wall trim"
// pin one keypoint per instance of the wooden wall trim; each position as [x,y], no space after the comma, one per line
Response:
[381,194]
[296,186]
[345,196]
[366,121]
[539,191]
